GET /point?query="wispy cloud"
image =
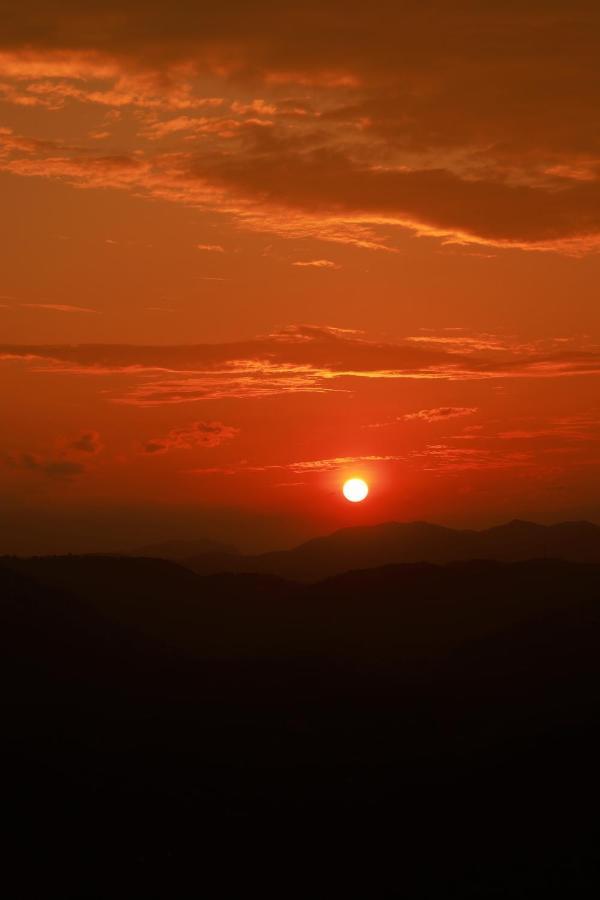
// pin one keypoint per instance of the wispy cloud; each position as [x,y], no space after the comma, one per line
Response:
[60,307]
[300,467]
[313,359]
[445,458]
[440,413]
[577,428]
[316,264]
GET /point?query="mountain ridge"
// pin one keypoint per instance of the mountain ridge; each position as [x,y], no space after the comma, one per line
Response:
[387,543]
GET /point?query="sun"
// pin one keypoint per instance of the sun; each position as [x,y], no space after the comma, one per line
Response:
[355,490]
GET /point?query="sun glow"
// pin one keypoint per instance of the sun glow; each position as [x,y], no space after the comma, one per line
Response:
[355,490]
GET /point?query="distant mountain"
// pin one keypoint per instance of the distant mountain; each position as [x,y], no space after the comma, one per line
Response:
[394,542]
[176,550]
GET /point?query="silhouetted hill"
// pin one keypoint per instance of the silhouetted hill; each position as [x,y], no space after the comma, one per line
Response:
[435,721]
[417,609]
[393,543]
[155,599]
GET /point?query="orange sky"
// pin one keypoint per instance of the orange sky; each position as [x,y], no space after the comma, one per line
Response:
[252,250]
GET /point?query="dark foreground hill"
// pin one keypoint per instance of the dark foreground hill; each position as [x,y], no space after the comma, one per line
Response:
[409,542]
[408,731]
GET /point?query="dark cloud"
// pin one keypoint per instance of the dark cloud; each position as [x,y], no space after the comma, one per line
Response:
[88,442]
[483,207]
[53,468]
[62,464]
[196,434]
[470,120]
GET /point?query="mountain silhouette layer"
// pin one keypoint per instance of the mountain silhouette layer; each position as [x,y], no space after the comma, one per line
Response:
[410,542]
[434,723]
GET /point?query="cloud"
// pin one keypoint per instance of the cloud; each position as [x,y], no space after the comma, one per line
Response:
[60,307]
[444,458]
[435,201]
[196,434]
[578,428]
[566,440]
[337,462]
[441,413]
[88,442]
[317,264]
[458,340]
[298,359]
[64,463]
[211,248]
[53,468]
[224,128]
[299,467]
[333,196]
[340,122]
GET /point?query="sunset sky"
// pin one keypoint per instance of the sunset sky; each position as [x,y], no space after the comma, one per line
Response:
[252,249]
